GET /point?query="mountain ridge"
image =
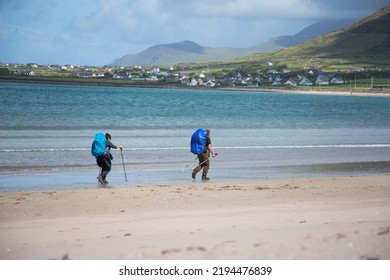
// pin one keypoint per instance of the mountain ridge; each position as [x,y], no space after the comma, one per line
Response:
[369,36]
[190,52]
[362,44]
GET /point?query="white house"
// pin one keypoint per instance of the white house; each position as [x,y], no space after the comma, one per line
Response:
[304,81]
[121,76]
[210,83]
[277,81]
[337,80]
[193,82]
[291,82]
[322,80]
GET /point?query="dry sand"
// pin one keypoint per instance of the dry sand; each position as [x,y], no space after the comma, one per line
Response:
[332,218]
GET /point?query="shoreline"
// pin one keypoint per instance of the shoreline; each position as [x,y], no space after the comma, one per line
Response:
[339,218]
[321,91]
[57,179]
[311,90]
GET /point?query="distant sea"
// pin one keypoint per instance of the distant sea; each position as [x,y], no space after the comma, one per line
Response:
[46,133]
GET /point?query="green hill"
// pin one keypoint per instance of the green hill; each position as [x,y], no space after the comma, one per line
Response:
[365,43]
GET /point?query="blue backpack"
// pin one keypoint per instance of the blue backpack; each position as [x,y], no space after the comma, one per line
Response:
[198,141]
[99,145]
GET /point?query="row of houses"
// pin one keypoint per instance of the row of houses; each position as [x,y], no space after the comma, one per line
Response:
[301,80]
[272,77]
[239,80]
[200,80]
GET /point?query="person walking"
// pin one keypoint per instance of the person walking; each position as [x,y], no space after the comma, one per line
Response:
[104,161]
[204,161]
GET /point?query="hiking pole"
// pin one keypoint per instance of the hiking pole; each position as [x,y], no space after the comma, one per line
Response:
[123,162]
[203,162]
[188,165]
[200,163]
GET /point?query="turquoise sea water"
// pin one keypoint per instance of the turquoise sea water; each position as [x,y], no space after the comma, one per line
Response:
[46,132]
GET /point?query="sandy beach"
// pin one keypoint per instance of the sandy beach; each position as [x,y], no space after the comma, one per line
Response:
[333,218]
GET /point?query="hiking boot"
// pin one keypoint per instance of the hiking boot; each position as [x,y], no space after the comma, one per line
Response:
[101,179]
[193,175]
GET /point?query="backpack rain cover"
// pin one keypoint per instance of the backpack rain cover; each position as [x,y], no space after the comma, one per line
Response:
[99,145]
[198,141]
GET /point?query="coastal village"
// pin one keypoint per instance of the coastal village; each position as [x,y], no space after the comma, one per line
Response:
[269,75]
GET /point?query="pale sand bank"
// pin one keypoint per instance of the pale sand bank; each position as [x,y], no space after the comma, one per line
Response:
[352,92]
[333,218]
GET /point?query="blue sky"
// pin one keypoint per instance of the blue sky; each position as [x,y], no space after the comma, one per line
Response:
[95,32]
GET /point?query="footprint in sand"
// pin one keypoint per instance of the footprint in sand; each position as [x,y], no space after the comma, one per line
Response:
[384,231]
[196,248]
[170,251]
[188,249]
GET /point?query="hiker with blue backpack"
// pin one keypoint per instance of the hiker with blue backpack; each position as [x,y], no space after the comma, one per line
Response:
[201,146]
[101,147]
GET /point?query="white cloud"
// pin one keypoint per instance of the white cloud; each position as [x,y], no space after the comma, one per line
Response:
[98,31]
[252,9]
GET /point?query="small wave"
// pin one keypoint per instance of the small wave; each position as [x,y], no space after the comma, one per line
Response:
[187,148]
[309,146]
[42,150]
[158,149]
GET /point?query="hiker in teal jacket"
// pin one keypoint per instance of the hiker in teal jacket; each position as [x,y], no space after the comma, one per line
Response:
[104,161]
